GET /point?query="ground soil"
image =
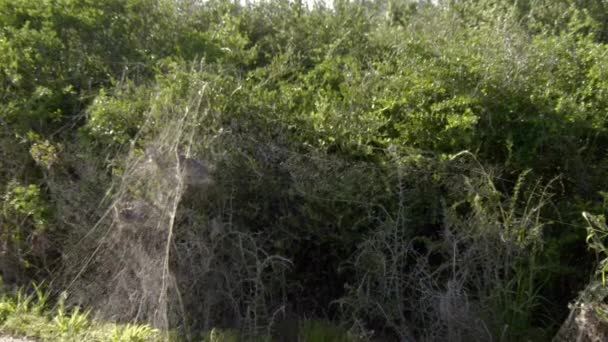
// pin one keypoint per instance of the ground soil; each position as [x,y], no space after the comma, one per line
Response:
[4,338]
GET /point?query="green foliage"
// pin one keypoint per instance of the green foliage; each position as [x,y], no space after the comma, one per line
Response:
[26,203]
[133,333]
[26,222]
[597,231]
[31,315]
[70,324]
[332,132]
[116,119]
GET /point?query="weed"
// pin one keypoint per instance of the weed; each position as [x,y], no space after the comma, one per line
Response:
[30,315]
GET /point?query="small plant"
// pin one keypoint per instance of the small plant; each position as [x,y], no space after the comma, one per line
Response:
[24,313]
[73,323]
[7,308]
[25,217]
[44,153]
[597,231]
[133,333]
[42,299]
[29,315]
[22,301]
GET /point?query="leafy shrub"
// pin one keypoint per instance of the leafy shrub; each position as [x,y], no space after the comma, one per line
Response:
[327,137]
[26,218]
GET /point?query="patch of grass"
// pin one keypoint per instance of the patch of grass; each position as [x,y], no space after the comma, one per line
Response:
[319,331]
[30,315]
[309,331]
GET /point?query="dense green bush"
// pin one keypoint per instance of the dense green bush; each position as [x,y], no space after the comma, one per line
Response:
[356,153]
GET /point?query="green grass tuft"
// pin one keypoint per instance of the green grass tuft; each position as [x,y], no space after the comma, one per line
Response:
[30,315]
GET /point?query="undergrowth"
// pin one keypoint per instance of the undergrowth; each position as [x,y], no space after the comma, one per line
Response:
[32,315]
[36,315]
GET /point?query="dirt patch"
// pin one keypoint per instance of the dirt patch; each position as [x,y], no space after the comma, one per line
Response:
[14,339]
